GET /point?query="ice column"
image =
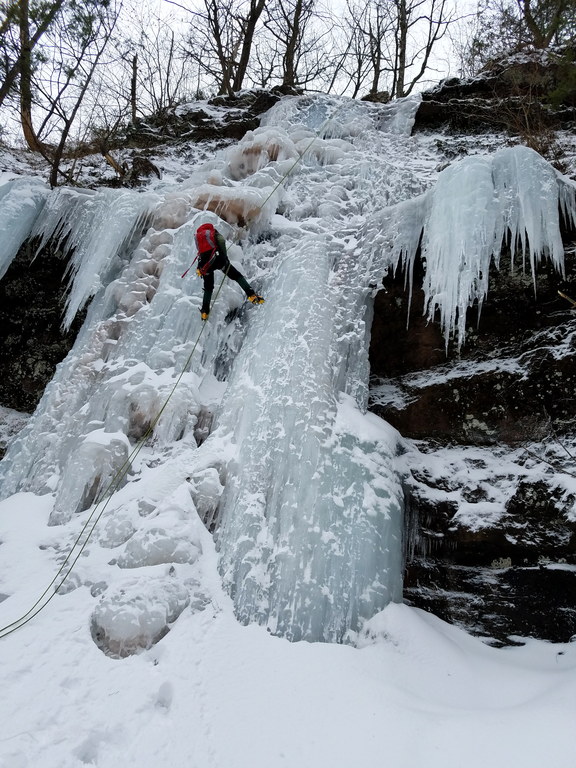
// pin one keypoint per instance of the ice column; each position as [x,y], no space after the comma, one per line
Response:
[311,515]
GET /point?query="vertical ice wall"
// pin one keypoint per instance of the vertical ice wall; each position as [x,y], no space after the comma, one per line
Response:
[311,515]
[310,537]
[134,343]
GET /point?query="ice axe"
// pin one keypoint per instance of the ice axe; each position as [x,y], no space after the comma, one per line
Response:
[567,298]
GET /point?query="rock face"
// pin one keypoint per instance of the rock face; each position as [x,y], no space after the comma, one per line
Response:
[491,483]
[225,118]
[510,383]
[521,94]
[490,480]
[31,299]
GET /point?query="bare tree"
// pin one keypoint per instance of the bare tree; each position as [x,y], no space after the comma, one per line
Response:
[352,65]
[392,41]
[248,25]
[56,68]
[370,28]
[159,75]
[420,24]
[222,38]
[147,73]
[265,63]
[84,55]
[508,26]
[299,42]
[22,26]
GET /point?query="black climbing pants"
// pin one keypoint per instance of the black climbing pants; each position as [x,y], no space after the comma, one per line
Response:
[230,272]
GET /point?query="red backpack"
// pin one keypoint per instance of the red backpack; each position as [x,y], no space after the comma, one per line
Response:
[205,239]
[206,245]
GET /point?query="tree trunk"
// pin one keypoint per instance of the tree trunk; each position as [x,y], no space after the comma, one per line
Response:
[289,78]
[14,71]
[59,151]
[133,83]
[224,60]
[543,34]
[256,8]
[401,48]
[376,57]
[26,78]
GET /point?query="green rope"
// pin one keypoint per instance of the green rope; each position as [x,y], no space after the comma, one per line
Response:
[106,495]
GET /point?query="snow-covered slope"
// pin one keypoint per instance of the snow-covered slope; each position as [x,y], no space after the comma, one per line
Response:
[254,423]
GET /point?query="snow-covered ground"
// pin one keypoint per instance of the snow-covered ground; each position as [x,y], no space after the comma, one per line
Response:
[213,694]
[166,646]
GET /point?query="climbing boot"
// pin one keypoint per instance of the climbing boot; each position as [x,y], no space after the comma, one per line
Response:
[204,315]
[255,299]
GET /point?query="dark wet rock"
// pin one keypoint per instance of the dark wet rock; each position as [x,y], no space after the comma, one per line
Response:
[32,295]
[514,578]
[380,97]
[493,554]
[512,380]
[256,101]
[131,172]
[503,605]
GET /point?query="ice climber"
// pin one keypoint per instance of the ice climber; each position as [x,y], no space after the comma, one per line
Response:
[212,255]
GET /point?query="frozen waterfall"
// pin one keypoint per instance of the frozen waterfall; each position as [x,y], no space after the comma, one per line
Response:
[21,200]
[266,436]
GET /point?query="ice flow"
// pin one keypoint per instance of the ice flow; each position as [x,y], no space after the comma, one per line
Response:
[267,428]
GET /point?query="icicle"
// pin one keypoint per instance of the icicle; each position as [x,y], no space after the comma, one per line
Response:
[476,206]
[95,228]
[462,234]
[526,190]
[21,201]
[567,193]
